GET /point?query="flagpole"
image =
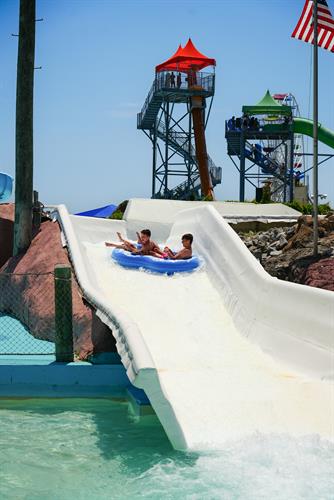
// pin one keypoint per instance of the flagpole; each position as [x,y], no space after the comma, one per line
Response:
[315,128]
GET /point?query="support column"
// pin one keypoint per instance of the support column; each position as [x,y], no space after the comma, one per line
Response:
[291,168]
[197,104]
[154,163]
[242,167]
[286,161]
[189,145]
[166,147]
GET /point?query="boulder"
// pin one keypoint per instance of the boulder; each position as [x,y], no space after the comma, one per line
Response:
[282,243]
[301,238]
[275,253]
[287,252]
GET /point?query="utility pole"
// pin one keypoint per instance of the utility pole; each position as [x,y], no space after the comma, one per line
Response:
[24,127]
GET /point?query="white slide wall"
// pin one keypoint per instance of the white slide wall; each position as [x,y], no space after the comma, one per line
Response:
[162,214]
[221,352]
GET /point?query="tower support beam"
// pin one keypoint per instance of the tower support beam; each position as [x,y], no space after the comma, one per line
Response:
[242,167]
[178,135]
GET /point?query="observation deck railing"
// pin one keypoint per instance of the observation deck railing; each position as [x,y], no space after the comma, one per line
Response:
[193,81]
[190,83]
[263,125]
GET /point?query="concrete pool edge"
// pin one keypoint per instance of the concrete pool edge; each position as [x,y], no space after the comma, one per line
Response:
[31,378]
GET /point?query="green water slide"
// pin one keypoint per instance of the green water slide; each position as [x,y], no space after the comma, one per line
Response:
[304,126]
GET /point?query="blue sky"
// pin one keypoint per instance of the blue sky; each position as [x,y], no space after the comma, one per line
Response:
[98,59]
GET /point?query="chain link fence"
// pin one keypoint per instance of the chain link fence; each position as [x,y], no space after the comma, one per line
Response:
[33,318]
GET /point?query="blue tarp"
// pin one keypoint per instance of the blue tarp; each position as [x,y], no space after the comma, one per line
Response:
[102,212]
[6,187]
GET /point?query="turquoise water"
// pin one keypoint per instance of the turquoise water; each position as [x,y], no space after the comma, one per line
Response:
[15,338]
[95,449]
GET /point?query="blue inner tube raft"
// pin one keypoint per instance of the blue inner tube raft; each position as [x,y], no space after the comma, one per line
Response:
[163,266]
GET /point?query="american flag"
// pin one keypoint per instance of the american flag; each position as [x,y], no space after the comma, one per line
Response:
[304,29]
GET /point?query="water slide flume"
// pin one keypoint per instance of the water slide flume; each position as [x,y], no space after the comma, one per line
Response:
[6,187]
[222,352]
[305,127]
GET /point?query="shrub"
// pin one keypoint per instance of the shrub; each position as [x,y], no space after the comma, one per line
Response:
[307,208]
[116,215]
[119,212]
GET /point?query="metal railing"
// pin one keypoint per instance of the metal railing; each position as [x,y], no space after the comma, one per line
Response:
[179,141]
[267,164]
[192,81]
[187,187]
[146,104]
[215,172]
[262,125]
[164,81]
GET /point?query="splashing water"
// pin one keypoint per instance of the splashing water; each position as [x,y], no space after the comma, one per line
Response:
[95,449]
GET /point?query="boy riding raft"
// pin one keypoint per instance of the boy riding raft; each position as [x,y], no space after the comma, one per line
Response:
[149,247]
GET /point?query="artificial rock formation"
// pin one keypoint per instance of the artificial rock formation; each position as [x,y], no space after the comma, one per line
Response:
[28,294]
[6,231]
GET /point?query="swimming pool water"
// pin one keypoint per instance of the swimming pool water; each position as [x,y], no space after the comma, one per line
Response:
[95,449]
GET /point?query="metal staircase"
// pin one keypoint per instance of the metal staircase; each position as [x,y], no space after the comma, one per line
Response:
[267,164]
[233,143]
[159,103]
[179,142]
[147,117]
[261,151]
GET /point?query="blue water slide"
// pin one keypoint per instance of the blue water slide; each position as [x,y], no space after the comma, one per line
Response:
[6,186]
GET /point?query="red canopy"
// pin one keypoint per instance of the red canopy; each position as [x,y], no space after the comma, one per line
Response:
[185,59]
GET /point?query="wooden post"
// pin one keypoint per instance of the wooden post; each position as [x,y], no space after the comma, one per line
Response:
[24,127]
[63,313]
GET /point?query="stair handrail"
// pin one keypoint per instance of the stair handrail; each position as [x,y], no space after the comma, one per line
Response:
[148,98]
[273,166]
[175,136]
[183,187]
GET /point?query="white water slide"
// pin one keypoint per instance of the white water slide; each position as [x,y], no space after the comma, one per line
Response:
[222,352]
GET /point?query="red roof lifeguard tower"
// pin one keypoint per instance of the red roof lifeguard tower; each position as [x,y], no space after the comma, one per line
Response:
[178,134]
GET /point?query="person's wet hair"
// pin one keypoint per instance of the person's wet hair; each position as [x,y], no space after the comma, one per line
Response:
[188,237]
[146,232]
